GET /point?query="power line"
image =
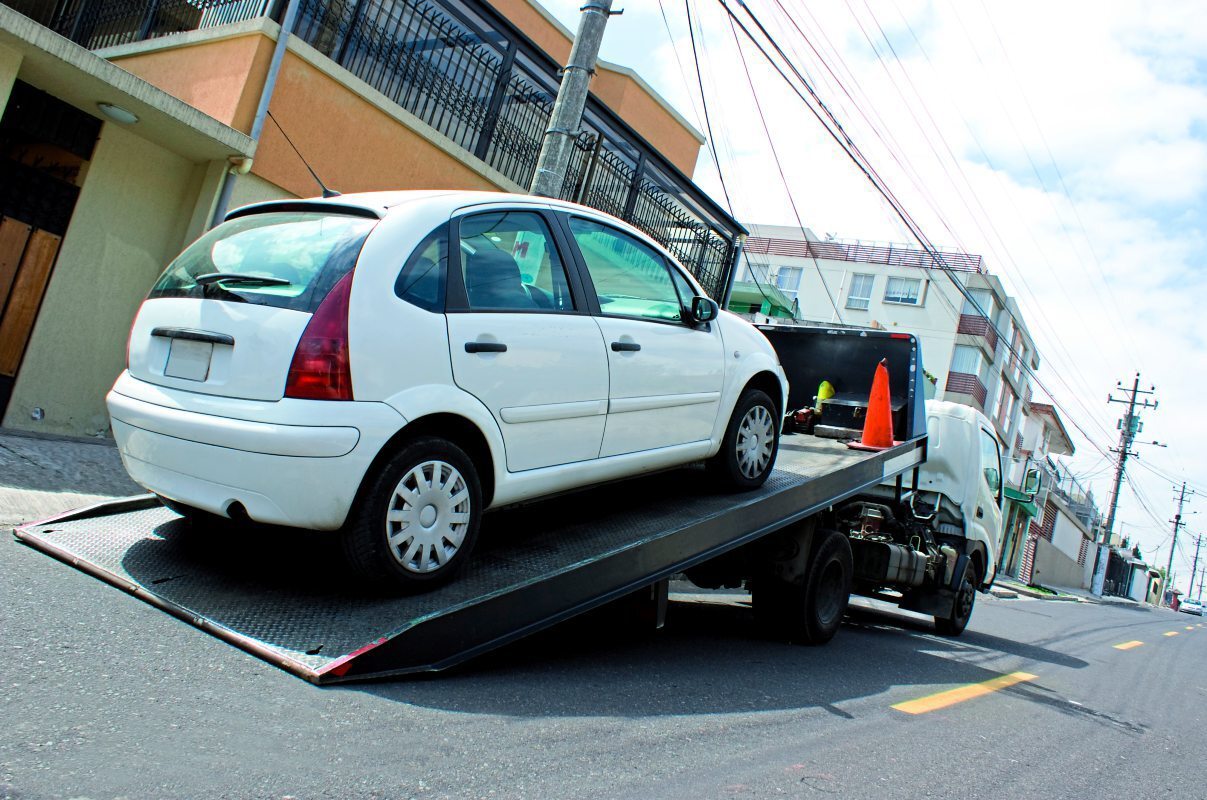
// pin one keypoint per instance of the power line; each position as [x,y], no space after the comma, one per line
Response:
[836,131]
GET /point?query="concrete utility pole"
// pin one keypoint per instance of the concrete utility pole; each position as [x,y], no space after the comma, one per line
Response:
[1194,568]
[567,116]
[1173,545]
[1129,426]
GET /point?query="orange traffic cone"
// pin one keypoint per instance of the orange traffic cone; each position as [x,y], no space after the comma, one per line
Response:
[878,427]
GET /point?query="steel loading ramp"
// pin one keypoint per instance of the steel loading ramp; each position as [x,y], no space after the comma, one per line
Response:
[282,597]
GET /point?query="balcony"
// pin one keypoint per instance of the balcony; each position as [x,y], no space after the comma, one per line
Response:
[964,383]
[466,71]
[867,253]
[976,325]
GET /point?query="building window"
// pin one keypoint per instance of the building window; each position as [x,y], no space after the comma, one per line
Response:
[906,291]
[969,361]
[984,299]
[1005,408]
[861,291]
[787,280]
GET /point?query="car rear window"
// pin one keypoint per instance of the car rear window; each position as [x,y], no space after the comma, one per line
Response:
[311,250]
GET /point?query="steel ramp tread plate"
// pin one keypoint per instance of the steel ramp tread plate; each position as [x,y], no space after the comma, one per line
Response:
[280,593]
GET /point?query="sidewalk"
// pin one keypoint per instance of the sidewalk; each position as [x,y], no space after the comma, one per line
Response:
[1064,593]
[41,476]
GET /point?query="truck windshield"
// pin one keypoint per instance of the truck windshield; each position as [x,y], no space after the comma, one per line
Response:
[285,259]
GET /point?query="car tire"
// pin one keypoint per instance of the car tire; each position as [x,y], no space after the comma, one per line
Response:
[961,610]
[418,521]
[809,611]
[745,458]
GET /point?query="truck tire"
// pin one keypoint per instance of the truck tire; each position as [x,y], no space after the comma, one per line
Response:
[961,610]
[809,612]
[417,523]
[750,444]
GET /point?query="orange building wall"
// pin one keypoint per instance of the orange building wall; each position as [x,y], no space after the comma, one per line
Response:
[222,78]
[351,144]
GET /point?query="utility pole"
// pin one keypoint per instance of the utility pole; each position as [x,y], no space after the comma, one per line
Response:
[1129,426]
[567,116]
[1173,545]
[1194,568]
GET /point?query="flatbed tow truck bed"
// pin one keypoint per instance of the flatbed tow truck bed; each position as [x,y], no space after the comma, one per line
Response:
[277,595]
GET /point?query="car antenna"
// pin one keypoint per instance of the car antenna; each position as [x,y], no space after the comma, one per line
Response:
[326,192]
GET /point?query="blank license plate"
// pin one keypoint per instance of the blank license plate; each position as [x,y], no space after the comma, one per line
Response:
[189,360]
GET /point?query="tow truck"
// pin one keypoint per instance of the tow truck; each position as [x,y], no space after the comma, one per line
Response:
[831,520]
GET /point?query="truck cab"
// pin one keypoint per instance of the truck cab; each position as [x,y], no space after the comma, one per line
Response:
[962,481]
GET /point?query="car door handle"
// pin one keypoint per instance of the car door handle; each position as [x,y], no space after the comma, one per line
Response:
[625,347]
[980,513]
[485,347]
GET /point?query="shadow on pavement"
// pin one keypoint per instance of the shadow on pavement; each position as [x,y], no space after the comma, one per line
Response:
[710,659]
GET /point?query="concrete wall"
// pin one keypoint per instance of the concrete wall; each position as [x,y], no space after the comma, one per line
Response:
[138,205]
[1068,532]
[10,62]
[1054,568]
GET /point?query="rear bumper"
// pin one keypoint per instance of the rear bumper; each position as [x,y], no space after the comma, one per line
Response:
[304,472]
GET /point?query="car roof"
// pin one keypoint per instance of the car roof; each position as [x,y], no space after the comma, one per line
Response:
[383,204]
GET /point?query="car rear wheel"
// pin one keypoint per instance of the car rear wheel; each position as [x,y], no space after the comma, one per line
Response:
[750,445]
[418,522]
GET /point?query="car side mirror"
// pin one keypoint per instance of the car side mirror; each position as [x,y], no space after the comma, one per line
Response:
[704,309]
[1031,482]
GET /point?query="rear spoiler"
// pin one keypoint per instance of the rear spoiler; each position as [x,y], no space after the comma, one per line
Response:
[326,206]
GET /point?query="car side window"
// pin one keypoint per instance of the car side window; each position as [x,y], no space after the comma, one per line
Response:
[991,462]
[631,279]
[421,281]
[509,261]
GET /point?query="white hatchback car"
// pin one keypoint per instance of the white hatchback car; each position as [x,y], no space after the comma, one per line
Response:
[390,365]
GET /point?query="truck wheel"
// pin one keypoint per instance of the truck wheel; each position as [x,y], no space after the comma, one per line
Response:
[751,442]
[809,612]
[419,519]
[961,611]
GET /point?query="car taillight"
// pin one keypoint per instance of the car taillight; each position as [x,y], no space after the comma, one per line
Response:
[321,369]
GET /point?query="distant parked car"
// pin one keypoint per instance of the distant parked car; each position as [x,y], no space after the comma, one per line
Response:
[1191,607]
[391,364]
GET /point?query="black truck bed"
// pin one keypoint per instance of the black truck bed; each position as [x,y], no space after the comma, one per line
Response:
[278,595]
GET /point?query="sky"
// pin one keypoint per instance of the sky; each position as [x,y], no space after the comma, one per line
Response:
[1064,142]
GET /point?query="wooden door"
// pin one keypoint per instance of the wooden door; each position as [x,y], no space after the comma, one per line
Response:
[27,255]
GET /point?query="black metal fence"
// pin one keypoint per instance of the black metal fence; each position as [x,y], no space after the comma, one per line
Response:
[469,74]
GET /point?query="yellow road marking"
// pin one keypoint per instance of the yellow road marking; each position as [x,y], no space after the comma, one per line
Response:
[1189,627]
[959,695]
[1171,633]
[1128,645]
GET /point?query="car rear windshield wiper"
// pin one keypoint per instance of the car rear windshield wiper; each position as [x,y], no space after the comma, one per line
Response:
[236,277]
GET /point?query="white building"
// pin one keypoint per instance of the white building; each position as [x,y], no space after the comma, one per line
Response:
[898,287]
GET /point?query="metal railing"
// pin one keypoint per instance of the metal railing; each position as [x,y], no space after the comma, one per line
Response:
[462,69]
[894,255]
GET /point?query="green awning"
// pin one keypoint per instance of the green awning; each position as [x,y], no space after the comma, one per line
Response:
[1024,503]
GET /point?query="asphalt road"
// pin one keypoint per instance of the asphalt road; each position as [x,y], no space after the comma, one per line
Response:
[102,696]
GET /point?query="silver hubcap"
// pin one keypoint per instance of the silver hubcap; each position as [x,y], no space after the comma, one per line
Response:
[756,438]
[428,516]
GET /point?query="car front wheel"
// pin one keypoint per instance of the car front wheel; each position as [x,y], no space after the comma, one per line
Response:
[418,521]
[751,442]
